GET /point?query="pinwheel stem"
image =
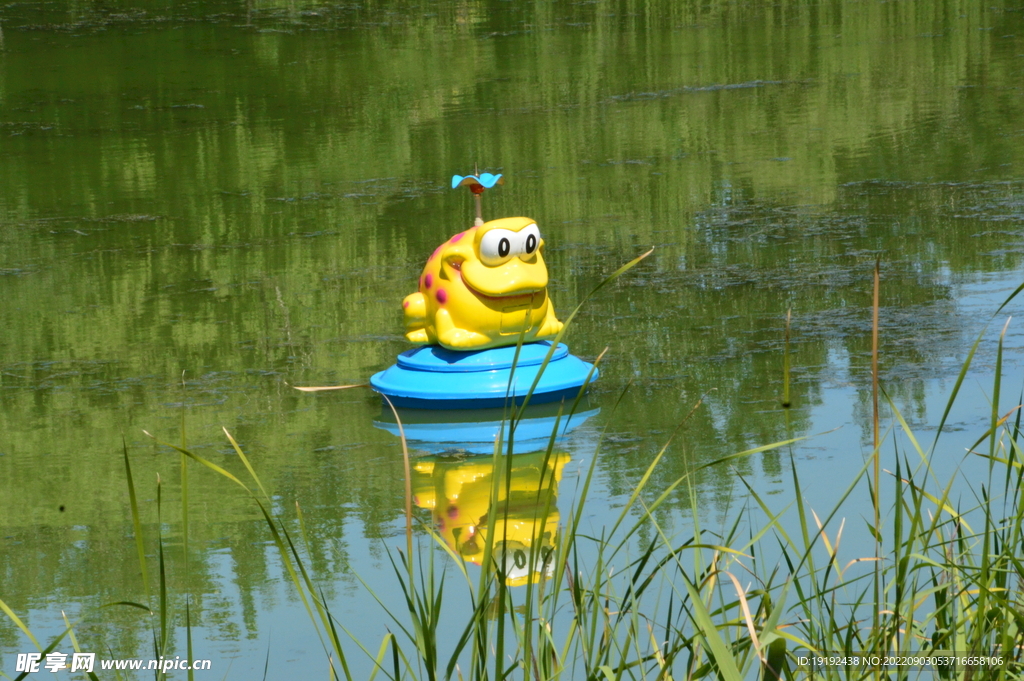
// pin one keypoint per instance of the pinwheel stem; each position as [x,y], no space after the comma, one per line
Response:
[478,190]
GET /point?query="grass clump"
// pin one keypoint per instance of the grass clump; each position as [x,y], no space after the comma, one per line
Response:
[776,594]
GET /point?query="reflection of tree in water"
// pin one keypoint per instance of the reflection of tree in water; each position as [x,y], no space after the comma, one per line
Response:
[461,493]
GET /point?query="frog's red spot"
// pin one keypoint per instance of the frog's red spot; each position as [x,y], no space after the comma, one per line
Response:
[455,239]
[453,511]
[442,296]
[428,281]
[405,303]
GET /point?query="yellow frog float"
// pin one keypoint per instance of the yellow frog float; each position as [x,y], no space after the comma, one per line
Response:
[482,288]
[480,292]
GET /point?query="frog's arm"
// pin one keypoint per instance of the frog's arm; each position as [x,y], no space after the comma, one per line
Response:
[455,338]
[550,326]
[415,306]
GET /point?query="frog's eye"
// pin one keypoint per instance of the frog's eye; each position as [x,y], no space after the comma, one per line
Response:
[498,245]
[529,237]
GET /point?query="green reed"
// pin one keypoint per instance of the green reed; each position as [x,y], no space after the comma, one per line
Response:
[752,600]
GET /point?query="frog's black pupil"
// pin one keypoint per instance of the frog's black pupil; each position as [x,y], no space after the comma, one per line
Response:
[531,243]
[504,247]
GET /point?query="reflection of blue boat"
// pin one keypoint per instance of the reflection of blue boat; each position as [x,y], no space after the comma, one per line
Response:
[433,377]
[474,432]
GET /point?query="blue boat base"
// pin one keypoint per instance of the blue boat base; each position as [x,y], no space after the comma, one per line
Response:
[433,377]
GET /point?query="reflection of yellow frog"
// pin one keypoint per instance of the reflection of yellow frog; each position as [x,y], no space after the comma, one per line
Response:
[482,288]
[458,494]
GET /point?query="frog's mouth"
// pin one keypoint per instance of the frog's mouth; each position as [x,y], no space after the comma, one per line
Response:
[520,296]
[505,299]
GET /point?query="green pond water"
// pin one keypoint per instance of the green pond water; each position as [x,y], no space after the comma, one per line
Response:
[202,204]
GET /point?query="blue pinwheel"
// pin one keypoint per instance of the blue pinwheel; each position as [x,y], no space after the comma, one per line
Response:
[485,180]
[477,184]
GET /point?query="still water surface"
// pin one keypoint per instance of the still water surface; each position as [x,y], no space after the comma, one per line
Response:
[202,204]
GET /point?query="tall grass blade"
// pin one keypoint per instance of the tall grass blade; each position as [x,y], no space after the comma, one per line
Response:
[43,651]
[184,493]
[140,544]
[188,640]
[162,647]
[568,321]
[874,362]
[785,363]
[408,482]
[209,464]
[995,388]
[289,555]
[248,466]
[876,454]
[966,365]
[184,536]
[378,662]
[706,629]
[74,643]
[18,623]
